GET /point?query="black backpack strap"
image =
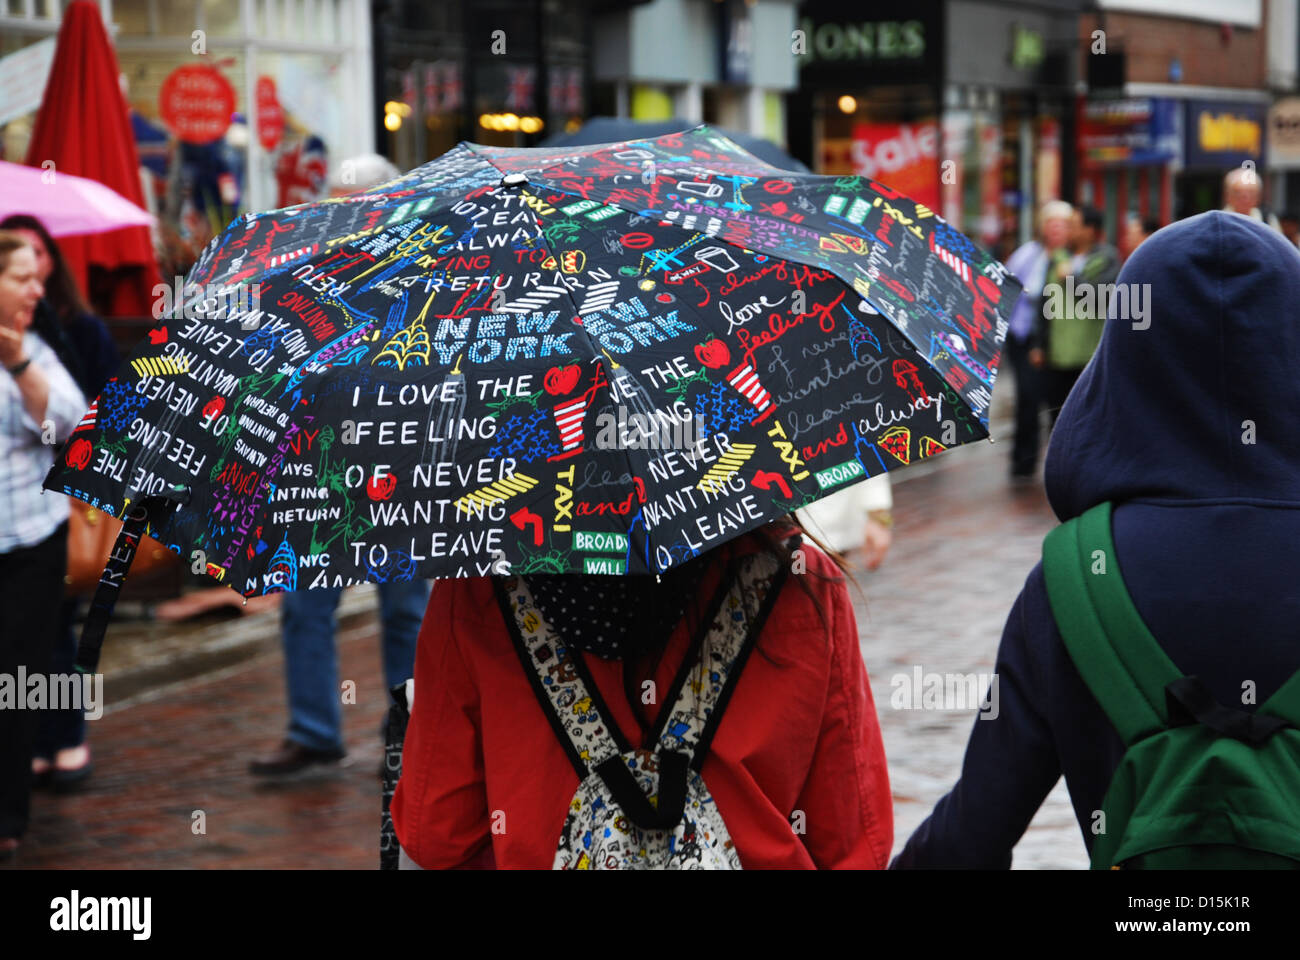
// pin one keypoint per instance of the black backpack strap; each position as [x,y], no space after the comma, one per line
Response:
[683,731]
[1190,701]
[148,513]
[734,623]
[563,689]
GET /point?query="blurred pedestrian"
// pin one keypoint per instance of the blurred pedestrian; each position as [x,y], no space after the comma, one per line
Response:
[40,405]
[1075,298]
[85,348]
[1290,222]
[857,519]
[1030,265]
[1137,229]
[307,621]
[307,625]
[792,758]
[1205,523]
[1241,193]
[362,172]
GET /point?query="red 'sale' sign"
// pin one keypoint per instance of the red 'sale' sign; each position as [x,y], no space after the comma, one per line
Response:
[904,156]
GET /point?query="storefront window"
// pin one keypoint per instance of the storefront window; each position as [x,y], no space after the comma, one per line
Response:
[310,94]
[199,176]
[41,9]
[157,18]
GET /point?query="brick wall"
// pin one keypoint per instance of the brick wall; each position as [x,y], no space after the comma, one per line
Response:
[1152,42]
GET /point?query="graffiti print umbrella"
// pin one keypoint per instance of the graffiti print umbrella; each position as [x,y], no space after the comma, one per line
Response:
[602,359]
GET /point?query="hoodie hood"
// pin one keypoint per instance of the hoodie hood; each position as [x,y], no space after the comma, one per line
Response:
[1201,401]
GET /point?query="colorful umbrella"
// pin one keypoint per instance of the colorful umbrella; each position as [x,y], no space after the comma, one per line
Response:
[604,360]
[65,204]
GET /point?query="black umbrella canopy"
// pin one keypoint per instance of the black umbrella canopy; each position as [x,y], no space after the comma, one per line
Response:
[601,360]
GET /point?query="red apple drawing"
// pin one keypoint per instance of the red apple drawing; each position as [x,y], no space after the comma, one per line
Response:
[560,380]
[381,487]
[713,354]
[158,336]
[78,453]
[214,407]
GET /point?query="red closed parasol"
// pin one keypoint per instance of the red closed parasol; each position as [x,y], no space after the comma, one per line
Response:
[83,126]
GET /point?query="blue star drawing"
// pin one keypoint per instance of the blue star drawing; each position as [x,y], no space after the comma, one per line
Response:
[721,410]
[526,437]
[119,405]
[952,239]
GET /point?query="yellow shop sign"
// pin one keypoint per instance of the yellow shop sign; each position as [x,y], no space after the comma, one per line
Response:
[1226,132]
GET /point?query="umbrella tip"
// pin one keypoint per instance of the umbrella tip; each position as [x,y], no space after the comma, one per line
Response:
[513,180]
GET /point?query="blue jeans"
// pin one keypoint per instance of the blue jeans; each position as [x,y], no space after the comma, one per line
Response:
[311,661]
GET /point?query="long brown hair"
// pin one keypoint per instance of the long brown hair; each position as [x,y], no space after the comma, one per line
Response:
[9,242]
[776,544]
[61,288]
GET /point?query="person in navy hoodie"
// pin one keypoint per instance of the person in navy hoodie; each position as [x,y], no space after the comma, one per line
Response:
[1185,420]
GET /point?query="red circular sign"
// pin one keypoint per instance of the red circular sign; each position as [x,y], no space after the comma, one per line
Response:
[196,102]
[270,115]
[637,241]
[778,186]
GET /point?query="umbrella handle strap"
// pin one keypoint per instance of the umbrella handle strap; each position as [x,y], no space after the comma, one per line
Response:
[399,714]
[150,510]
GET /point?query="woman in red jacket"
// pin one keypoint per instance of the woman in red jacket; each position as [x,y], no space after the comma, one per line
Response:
[795,766]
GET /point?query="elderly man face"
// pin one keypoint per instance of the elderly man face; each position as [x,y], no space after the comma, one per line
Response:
[1056,231]
[1243,192]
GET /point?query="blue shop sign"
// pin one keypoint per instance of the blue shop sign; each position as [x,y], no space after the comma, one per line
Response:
[1132,132]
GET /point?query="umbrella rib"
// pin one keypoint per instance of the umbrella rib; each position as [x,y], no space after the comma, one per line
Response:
[591,344]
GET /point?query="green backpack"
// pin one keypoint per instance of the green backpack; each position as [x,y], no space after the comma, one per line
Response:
[1200,785]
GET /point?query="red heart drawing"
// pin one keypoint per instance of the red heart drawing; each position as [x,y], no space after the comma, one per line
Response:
[560,380]
[158,336]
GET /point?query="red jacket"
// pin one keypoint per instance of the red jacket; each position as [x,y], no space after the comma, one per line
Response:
[481,763]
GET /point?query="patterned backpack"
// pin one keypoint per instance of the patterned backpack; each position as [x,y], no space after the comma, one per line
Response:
[646,808]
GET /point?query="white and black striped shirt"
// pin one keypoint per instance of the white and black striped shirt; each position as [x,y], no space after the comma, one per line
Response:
[28,516]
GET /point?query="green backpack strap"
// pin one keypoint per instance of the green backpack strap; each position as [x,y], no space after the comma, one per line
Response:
[1105,635]
[1285,703]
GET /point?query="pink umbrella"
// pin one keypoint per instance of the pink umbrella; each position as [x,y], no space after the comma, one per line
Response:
[66,204]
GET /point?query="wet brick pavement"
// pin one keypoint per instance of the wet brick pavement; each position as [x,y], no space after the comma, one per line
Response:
[962,534]
[965,540]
